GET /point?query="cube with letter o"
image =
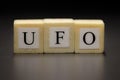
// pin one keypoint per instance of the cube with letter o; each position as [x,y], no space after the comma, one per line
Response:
[89,36]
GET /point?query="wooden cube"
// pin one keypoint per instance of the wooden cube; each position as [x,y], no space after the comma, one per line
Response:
[89,36]
[58,36]
[28,36]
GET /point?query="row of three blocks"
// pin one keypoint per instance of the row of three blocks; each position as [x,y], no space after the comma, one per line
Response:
[58,36]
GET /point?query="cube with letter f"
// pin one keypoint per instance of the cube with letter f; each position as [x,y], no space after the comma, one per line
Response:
[58,36]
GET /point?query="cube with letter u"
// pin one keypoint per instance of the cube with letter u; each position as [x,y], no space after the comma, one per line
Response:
[28,36]
[58,36]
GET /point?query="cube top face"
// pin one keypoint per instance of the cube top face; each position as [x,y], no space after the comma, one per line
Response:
[29,21]
[91,21]
[89,36]
[58,21]
[58,36]
[28,36]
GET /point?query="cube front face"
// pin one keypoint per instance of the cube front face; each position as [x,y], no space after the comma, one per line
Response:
[58,37]
[28,38]
[89,37]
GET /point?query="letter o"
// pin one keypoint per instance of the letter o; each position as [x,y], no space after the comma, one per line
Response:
[84,38]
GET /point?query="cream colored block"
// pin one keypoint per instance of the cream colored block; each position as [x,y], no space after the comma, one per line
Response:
[58,36]
[89,36]
[28,36]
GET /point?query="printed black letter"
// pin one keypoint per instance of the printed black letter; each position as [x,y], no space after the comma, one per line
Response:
[84,38]
[58,37]
[26,40]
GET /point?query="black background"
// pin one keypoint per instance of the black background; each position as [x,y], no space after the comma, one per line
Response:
[60,66]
